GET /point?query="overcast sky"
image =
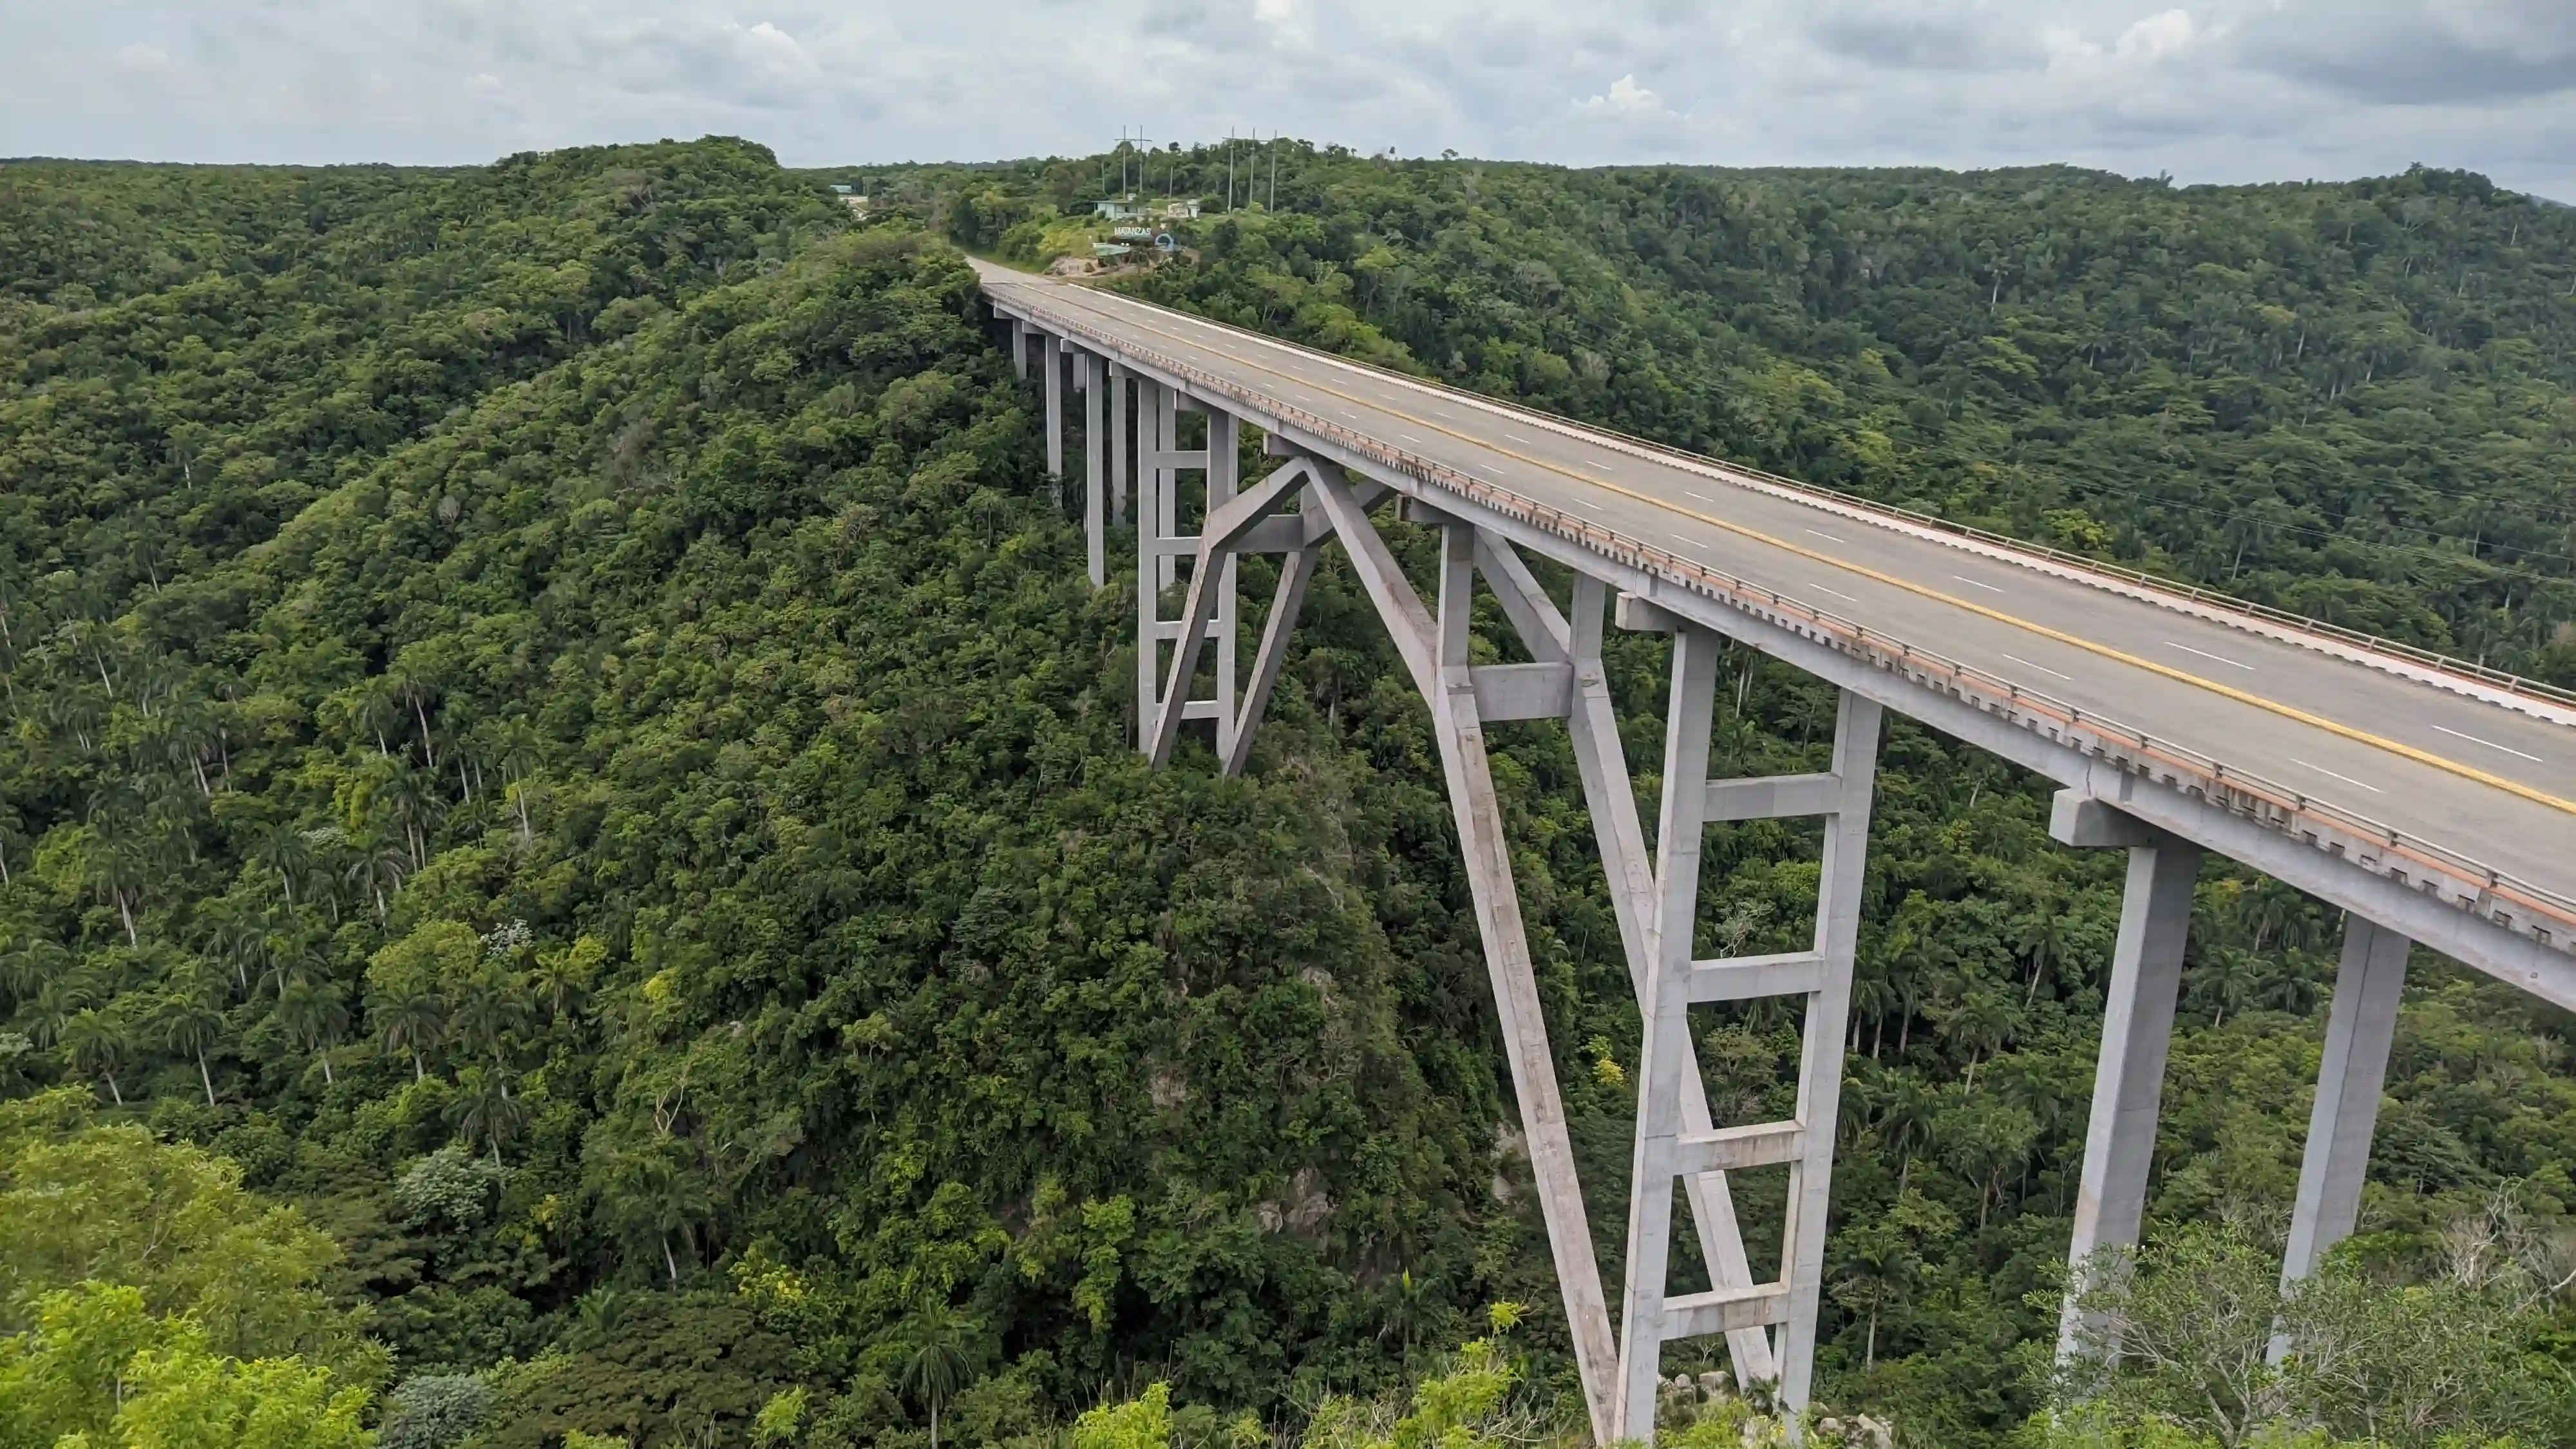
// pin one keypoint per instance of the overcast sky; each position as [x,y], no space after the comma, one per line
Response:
[2212,90]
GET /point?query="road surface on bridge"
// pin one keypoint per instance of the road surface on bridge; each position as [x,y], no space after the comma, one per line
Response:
[2487,773]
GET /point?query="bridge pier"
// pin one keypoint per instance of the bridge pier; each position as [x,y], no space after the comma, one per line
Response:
[1122,429]
[1053,352]
[1210,611]
[1095,480]
[2137,1030]
[1676,1138]
[2360,1026]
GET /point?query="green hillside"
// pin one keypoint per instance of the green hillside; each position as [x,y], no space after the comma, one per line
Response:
[554,727]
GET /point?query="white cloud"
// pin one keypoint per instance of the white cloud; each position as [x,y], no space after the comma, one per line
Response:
[1625,98]
[2157,36]
[143,59]
[2204,89]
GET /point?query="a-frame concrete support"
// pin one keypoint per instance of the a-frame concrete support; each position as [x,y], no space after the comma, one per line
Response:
[1655,891]
[1656,902]
[1434,650]
[1676,1140]
[1160,546]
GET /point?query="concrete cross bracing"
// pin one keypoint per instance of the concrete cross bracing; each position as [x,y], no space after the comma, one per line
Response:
[1503,485]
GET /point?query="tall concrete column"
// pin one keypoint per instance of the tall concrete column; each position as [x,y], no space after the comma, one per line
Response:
[1095,483]
[1149,559]
[2359,1028]
[1164,508]
[1121,429]
[1820,1071]
[1051,352]
[2137,1030]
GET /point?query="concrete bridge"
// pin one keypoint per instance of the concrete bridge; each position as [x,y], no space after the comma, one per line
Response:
[2434,801]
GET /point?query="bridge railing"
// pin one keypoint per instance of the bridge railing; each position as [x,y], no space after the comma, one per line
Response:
[2521,905]
[2156,583]
[2172,588]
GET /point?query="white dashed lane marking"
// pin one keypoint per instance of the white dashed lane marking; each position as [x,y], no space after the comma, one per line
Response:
[2490,744]
[2042,668]
[2331,775]
[1829,538]
[2205,654]
[1972,583]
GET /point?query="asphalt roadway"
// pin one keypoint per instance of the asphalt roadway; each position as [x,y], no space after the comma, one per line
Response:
[2491,782]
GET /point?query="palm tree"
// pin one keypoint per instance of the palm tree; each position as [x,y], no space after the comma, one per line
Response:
[483,1108]
[940,1339]
[2043,939]
[285,851]
[514,744]
[314,1013]
[100,1042]
[1872,996]
[484,1019]
[118,868]
[378,864]
[54,1005]
[190,1022]
[1905,1121]
[11,837]
[410,798]
[650,1193]
[2227,977]
[413,1023]
[562,976]
[1981,1023]
[228,931]
[598,1313]
[287,948]
[26,970]
[376,709]
[416,692]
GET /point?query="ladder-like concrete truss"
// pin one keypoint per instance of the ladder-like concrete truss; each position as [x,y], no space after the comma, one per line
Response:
[1132,426]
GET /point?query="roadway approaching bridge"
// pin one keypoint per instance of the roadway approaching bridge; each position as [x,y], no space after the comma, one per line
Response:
[2432,800]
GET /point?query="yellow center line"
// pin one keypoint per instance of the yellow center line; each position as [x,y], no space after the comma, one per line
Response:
[2289,712]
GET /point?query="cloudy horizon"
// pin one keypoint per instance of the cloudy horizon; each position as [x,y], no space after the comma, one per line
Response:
[2217,91]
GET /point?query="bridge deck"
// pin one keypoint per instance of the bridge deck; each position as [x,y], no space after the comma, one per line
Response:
[2490,776]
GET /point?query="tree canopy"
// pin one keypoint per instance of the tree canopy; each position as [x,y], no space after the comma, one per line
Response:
[567,810]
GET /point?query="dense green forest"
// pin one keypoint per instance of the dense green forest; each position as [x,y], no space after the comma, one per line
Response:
[567,812]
